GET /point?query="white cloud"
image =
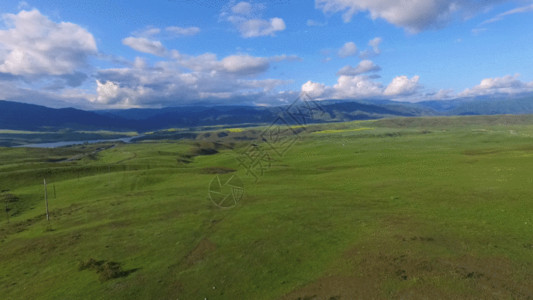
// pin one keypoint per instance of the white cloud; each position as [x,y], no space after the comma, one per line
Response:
[374,43]
[347,87]
[363,87]
[242,8]
[147,32]
[181,31]
[314,23]
[245,64]
[348,49]
[206,62]
[285,57]
[32,44]
[477,31]
[145,45]
[242,64]
[501,16]
[357,87]
[443,94]
[365,66]
[313,89]
[107,91]
[246,17]
[260,27]
[402,86]
[499,85]
[66,97]
[413,15]
[374,48]
[188,79]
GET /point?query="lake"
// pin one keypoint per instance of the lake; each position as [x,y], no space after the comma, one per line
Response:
[70,143]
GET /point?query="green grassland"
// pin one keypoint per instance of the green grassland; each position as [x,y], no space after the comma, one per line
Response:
[393,208]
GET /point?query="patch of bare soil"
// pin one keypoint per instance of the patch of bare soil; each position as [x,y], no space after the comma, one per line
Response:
[200,252]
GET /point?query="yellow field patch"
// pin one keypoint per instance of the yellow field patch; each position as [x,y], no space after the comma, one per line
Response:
[344,130]
[107,132]
[9,131]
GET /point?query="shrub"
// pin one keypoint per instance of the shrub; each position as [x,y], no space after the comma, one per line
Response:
[106,270]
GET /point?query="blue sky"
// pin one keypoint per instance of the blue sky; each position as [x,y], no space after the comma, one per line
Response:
[121,54]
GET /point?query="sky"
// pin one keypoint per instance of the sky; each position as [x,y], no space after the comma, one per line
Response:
[136,53]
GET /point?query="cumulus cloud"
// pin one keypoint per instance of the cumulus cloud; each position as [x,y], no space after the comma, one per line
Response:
[313,89]
[188,79]
[374,48]
[347,87]
[402,86]
[147,40]
[245,64]
[363,87]
[241,64]
[413,15]
[260,27]
[357,87]
[374,43]
[242,8]
[499,85]
[66,97]
[443,94]
[107,92]
[156,87]
[145,45]
[348,49]
[33,45]
[246,17]
[365,66]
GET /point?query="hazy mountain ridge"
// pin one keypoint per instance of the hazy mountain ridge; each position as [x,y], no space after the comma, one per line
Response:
[21,116]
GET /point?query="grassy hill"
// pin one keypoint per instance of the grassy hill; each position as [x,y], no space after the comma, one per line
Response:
[393,208]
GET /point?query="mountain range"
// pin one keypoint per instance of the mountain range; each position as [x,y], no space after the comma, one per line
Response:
[21,116]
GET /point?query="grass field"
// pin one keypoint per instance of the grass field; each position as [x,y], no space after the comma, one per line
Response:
[396,208]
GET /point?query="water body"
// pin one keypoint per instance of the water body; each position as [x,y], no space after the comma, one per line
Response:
[70,143]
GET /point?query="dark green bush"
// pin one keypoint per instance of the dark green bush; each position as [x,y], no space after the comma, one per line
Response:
[106,270]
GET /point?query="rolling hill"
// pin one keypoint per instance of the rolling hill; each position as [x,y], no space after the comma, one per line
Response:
[20,116]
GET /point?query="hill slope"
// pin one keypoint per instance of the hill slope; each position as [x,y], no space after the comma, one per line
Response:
[21,116]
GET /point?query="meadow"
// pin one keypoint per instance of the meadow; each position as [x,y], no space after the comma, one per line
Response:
[392,208]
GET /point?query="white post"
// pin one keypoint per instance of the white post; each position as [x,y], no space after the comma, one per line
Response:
[46,200]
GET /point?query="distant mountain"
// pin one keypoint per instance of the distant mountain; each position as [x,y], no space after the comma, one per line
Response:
[21,116]
[14,115]
[482,106]
[190,116]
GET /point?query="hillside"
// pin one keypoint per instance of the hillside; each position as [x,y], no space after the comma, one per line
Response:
[384,209]
[19,116]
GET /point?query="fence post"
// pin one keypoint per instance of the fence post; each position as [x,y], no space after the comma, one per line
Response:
[46,200]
